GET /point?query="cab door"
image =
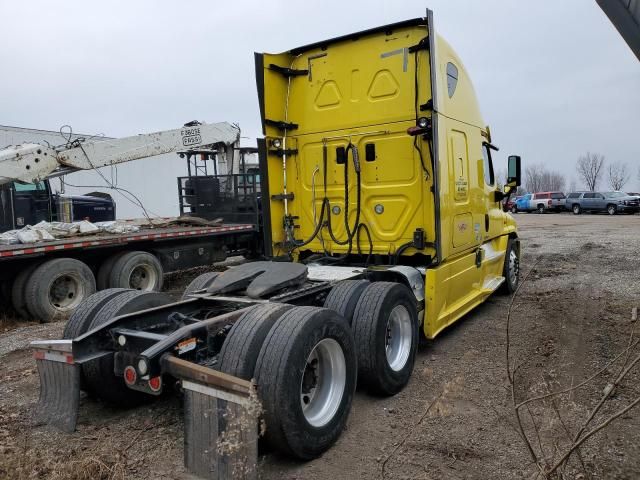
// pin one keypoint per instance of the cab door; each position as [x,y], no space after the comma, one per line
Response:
[6,208]
[31,203]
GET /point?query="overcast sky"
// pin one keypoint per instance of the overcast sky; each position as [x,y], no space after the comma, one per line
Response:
[554,78]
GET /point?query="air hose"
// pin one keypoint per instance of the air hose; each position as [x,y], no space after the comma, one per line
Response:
[326,208]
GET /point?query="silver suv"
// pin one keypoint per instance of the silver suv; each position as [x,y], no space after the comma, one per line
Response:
[610,202]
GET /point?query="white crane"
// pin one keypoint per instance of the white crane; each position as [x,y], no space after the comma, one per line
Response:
[32,162]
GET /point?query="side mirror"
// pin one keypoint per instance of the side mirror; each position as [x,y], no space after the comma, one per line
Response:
[513,171]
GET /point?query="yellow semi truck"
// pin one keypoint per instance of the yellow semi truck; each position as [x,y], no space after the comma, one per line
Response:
[382,217]
[391,111]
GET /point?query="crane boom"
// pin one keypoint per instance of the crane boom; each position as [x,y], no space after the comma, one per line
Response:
[33,162]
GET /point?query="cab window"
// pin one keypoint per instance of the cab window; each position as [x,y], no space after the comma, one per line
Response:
[29,187]
[452,79]
[489,178]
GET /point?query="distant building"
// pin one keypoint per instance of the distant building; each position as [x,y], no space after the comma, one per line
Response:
[152,180]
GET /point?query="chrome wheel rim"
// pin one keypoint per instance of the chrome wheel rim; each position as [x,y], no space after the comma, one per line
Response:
[66,292]
[143,277]
[514,268]
[398,340]
[611,210]
[323,382]
[576,209]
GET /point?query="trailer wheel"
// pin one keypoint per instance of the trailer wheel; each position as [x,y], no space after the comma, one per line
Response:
[98,373]
[306,376]
[82,316]
[344,297]
[199,283]
[104,271]
[5,293]
[511,269]
[385,325]
[18,299]
[56,287]
[241,348]
[137,270]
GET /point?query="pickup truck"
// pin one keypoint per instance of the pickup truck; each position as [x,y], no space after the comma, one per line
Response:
[540,202]
[610,202]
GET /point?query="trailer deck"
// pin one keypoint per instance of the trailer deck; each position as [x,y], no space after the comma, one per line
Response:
[91,241]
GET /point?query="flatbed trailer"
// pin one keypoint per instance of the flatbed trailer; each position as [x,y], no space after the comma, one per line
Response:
[85,264]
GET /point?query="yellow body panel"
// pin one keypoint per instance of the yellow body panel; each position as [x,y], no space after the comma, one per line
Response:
[362,90]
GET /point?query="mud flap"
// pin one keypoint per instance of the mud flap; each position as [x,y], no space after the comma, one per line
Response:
[220,422]
[59,399]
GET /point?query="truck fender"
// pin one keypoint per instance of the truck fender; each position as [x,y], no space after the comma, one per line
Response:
[409,276]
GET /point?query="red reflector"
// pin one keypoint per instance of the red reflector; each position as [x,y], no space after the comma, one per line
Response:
[130,375]
[155,383]
[38,355]
[69,359]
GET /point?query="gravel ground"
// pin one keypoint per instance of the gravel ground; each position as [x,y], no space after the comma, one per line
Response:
[454,420]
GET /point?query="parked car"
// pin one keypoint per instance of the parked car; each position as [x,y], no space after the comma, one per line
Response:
[610,202]
[540,202]
[510,204]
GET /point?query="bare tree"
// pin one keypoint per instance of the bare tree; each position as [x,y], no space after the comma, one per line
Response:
[533,177]
[589,168]
[501,177]
[539,179]
[618,175]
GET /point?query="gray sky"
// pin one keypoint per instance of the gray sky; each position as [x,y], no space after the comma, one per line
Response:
[554,78]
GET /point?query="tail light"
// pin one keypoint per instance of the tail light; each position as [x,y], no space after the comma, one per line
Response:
[155,384]
[130,375]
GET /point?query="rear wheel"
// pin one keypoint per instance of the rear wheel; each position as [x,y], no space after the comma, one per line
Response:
[541,209]
[57,287]
[514,209]
[82,316]
[344,297]
[99,373]
[104,272]
[241,348]
[576,209]
[611,209]
[137,270]
[18,299]
[306,377]
[385,326]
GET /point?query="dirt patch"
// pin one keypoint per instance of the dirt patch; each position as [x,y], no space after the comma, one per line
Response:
[453,421]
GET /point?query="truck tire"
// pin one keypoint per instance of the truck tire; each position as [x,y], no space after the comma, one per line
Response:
[514,209]
[104,272]
[241,348]
[82,316]
[344,297]
[577,210]
[99,377]
[308,358]
[199,283]
[511,269]
[56,288]
[385,326]
[137,270]
[540,209]
[612,209]
[18,299]
[5,293]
